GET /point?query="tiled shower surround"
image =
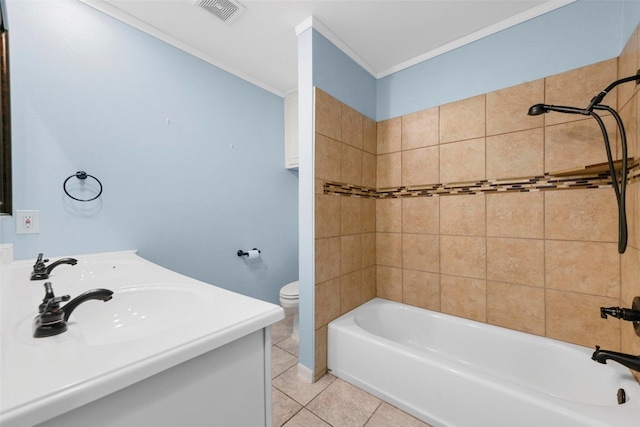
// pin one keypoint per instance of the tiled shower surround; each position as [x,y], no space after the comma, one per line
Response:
[532,259]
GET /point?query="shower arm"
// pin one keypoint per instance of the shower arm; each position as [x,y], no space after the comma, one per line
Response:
[599,97]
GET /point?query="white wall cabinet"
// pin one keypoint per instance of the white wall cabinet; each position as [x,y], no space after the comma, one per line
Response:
[291,130]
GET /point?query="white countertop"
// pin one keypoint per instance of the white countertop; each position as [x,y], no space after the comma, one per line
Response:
[45,377]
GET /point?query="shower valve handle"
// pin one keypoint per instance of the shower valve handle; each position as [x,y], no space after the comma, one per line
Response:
[620,313]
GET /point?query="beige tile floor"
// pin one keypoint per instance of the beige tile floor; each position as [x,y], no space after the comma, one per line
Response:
[330,401]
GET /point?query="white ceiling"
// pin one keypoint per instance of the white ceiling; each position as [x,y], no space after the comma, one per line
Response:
[383,36]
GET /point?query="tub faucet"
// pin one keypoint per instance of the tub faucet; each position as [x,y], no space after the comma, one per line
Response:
[42,272]
[631,362]
[52,319]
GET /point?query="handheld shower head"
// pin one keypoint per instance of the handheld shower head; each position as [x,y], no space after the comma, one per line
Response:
[537,109]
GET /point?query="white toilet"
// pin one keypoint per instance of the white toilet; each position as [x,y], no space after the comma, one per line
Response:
[290,300]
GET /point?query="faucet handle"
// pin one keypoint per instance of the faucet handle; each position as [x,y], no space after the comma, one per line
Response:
[39,269]
[50,302]
[50,320]
[53,305]
[48,291]
[40,262]
[610,311]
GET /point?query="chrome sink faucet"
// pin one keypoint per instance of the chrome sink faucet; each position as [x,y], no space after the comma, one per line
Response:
[42,272]
[52,319]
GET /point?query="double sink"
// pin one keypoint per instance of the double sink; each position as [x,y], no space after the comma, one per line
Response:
[156,319]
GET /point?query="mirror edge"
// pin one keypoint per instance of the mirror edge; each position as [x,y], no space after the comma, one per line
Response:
[6,198]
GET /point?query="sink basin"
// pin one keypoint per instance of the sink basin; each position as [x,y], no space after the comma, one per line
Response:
[139,311]
[92,271]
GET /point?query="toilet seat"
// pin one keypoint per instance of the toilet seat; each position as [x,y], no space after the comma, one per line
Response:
[290,291]
[290,301]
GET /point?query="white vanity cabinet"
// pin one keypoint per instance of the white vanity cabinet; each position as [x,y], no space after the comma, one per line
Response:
[228,387]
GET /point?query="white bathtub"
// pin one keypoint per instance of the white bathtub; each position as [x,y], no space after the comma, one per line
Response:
[450,371]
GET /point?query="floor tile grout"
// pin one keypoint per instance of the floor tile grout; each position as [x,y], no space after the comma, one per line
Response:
[328,399]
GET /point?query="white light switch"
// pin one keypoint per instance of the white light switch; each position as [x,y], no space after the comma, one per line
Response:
[27,222]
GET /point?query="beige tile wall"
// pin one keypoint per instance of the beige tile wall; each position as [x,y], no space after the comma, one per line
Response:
[345,151]
[538,262]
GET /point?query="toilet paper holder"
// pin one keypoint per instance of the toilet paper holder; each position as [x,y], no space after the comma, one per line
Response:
[243,253]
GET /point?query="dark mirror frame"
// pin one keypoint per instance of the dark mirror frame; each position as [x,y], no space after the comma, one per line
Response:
[5,127]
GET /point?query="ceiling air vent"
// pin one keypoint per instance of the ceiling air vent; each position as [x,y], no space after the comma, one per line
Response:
[227,10]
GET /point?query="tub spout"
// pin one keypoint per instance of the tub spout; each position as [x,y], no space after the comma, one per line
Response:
[631,362]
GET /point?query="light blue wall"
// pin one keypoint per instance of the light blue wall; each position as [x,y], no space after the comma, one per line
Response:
[191,157]
[631,16]
[341,77]
[579,34]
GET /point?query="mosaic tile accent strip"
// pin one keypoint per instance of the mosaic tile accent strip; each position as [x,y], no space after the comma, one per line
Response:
[537,183]
[634,174]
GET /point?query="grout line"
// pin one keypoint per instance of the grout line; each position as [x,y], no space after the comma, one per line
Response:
[374,411]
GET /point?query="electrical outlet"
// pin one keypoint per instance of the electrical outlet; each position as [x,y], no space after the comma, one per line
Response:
[27,222]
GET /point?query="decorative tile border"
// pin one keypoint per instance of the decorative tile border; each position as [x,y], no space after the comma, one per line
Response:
[538,183]
[634,174]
